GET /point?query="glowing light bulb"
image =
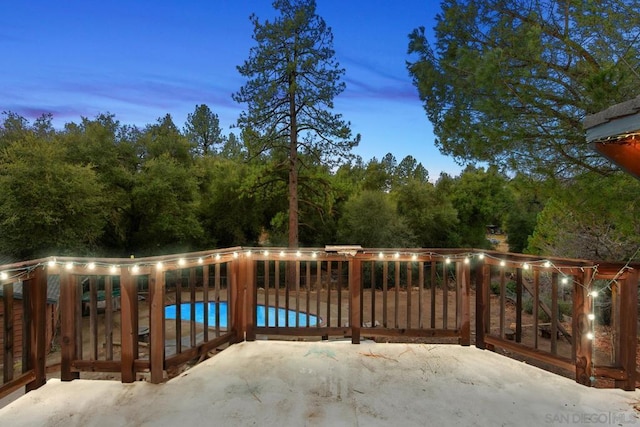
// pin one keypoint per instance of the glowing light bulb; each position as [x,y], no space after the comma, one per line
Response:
[69,266]
[595,294]
[564,281]
[591,316]
[314,255]
[113,269]
[200,260]
[396,255]
[298,254]
[502,263]
[181,261]
[52,263]
[4,275]
[91,266]
[467,260]
[159,265]
[380,255]
[481,256]
[414,257]
[589,335]
[217,257]
[525,266]
[235,254]
[546,264]
[281,253]
[266,253]
[447,260]
[135,269]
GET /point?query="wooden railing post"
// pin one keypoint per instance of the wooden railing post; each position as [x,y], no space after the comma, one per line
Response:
[482,298]
[581,327]
[68,312]
[37,285]
[463,302]
[157,325]
[249,266]
[128,324]
[237,299]
[7,326]
[355,285]
[628,315]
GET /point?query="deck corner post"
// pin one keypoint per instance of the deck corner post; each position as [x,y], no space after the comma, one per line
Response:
[581,327]
[38,325]
[628,342]
[68,302]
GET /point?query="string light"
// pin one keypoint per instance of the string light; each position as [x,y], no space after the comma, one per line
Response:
[91,266]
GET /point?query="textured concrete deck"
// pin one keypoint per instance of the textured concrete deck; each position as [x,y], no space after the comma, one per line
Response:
[333,384]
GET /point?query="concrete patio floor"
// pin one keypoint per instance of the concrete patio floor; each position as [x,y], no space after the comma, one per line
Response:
[333,383]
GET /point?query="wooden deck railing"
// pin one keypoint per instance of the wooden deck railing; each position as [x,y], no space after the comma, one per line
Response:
[113,312]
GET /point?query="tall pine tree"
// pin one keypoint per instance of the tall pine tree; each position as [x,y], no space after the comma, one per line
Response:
[293,78]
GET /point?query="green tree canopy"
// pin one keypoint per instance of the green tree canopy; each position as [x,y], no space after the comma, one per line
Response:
[509,82]
[371,219]
[48,205]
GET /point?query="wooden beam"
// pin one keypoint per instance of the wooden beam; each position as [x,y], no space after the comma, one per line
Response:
[38,348]
[7,325]
[128,328]
[157,325]
[582,326]
[355,285]
[628,330]
[481,302]
[68,297]
[463,313]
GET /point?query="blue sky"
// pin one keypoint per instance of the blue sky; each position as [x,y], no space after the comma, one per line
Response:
[142,59]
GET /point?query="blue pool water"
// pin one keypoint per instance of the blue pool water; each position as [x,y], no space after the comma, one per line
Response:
[281,314]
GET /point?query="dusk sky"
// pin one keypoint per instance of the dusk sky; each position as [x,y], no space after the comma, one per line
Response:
[143,59]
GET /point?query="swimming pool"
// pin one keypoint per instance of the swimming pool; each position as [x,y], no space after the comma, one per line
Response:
[261,313]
